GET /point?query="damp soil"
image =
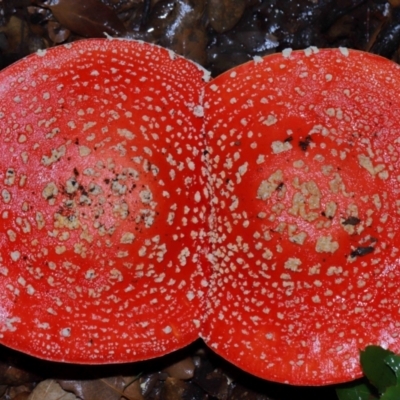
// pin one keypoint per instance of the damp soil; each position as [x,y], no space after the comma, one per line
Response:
[218,34]
[193,373]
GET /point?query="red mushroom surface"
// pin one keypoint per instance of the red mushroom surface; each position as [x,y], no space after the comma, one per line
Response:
[304,163]
[120,241]
[102,219]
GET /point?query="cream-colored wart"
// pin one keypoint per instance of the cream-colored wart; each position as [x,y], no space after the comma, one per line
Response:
[326,244]
[268,186]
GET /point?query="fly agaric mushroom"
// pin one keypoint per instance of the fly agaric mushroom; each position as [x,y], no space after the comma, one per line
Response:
[304,162]
[119,243]
[102,220]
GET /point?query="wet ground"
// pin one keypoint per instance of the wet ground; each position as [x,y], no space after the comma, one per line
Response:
[218,34]
[194,373]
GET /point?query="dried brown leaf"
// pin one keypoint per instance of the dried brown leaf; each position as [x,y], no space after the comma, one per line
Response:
[21,396]
[173,389]
[183,369]
[16,31]
[57,34]
[225,14]
[21,392]
[50,390]
[132,389]
[96,389]
[89,18]
[11,375]
[374,36]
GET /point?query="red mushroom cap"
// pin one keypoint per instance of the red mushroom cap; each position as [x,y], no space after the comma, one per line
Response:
[304,162]
[102,220]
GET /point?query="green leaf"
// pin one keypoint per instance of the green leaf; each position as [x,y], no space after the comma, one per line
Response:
[392,393]
[375,368]
[394,362]
[355,391]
